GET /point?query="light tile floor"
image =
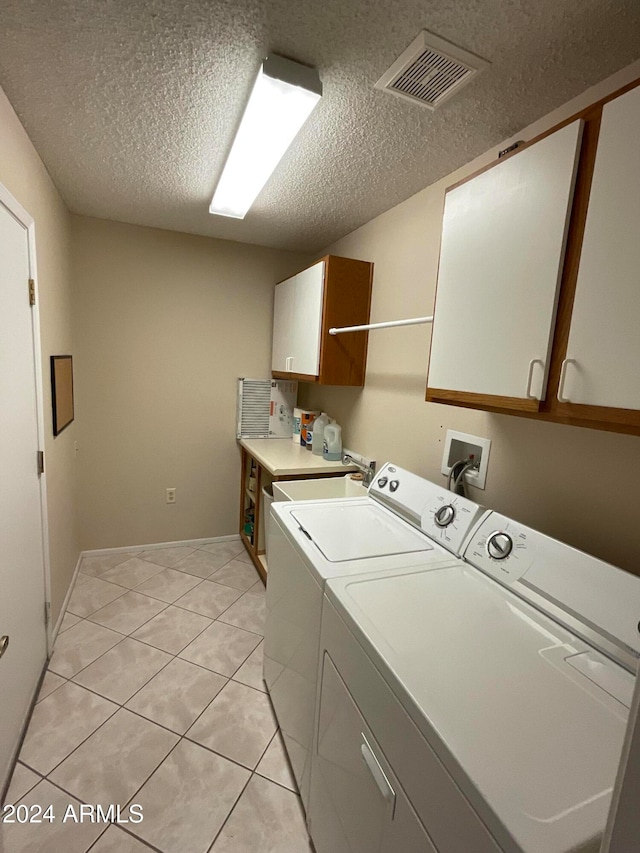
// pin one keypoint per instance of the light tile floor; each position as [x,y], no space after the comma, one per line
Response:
[154,696]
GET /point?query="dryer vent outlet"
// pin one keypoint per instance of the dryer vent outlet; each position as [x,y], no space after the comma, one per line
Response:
[430,71]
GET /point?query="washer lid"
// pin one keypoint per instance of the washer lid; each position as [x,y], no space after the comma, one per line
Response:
[358,531]
[493,685]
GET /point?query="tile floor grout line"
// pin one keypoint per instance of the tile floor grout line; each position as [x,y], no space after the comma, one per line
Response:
[231,811]
[24,794]
[77,746]
[75,587]
[82,799]
[174,656]
[88,618]
[101,655]
[123,705]
[185,736]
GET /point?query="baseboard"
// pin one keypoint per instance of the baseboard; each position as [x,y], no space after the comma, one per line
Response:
[195,543]
[63,609]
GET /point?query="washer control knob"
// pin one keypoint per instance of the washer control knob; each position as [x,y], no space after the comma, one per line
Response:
[382,482]
[393,485]
[499,545]
[445,515]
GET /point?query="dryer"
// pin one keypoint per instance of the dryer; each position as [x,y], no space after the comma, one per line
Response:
[475,706]
[404,520]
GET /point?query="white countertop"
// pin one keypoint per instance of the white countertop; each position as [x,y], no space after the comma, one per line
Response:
[282,458]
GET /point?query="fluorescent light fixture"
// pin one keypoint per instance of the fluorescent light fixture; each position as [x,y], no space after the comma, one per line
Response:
[282,99]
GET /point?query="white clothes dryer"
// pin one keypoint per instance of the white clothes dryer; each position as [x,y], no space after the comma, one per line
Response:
[476,706]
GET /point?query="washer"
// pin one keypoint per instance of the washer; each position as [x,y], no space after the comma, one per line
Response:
[404,520]
[488,699]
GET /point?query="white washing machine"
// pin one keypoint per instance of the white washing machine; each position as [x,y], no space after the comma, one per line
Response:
[404,520]
[477,706]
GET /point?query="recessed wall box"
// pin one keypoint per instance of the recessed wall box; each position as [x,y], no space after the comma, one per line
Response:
[461,445]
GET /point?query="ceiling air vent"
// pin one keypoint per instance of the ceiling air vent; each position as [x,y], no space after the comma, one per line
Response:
[430,71]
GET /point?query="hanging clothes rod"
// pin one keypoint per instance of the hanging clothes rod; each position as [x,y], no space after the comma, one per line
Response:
[414,321]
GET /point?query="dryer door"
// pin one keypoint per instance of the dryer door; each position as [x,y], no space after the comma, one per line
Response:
[356,802]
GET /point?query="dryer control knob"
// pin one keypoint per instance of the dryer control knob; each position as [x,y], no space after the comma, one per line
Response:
[499,545]
[382,482]
[444,516]
[393,485]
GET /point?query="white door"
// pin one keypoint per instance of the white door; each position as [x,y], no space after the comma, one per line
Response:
[307,320]
[22,578]
[604,343]
[282,325]
[501,255]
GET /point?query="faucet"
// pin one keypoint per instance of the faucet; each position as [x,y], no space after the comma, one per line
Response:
[367,468]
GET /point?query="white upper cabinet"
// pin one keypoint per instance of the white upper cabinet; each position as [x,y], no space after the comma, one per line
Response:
[282,323]
[602,366]
[501,261]
[333,292]
[297,320]
[307,320]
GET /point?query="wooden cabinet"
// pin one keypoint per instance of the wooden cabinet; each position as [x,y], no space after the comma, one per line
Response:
[333,292]
[503,242]
[538,304]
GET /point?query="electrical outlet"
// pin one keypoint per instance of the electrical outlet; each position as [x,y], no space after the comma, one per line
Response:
[171,496]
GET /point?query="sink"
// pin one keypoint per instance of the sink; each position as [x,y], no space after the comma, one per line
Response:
[320,488]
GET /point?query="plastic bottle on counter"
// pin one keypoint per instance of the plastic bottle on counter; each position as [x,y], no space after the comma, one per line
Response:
[306,420]
[332,443]
[317,444]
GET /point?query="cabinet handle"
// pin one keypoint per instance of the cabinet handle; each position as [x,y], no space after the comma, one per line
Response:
[379,776]
[530,377]
[563,376]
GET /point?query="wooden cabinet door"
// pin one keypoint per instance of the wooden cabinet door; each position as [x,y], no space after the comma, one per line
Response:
[603,350]
[307,321]
[501,259]
[283,324]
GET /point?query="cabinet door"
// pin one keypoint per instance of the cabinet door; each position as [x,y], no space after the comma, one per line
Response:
[603,351]
[501,257]
[282,324]
[307,321]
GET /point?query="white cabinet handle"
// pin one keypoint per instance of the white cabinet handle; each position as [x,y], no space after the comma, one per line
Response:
[563,375]
[379,776]
[530,377]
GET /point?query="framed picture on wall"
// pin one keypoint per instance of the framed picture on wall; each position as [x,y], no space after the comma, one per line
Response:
[61,391]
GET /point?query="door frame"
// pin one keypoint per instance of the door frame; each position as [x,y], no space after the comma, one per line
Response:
[27,221]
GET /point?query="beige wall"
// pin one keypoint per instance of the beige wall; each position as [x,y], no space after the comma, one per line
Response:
[24,175]
[576,484]
[165,323]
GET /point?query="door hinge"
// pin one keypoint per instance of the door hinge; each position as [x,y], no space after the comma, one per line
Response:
[40,455]
[32,292]
[47,612]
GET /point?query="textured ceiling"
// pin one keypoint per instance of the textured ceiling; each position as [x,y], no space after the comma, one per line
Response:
[132,105]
